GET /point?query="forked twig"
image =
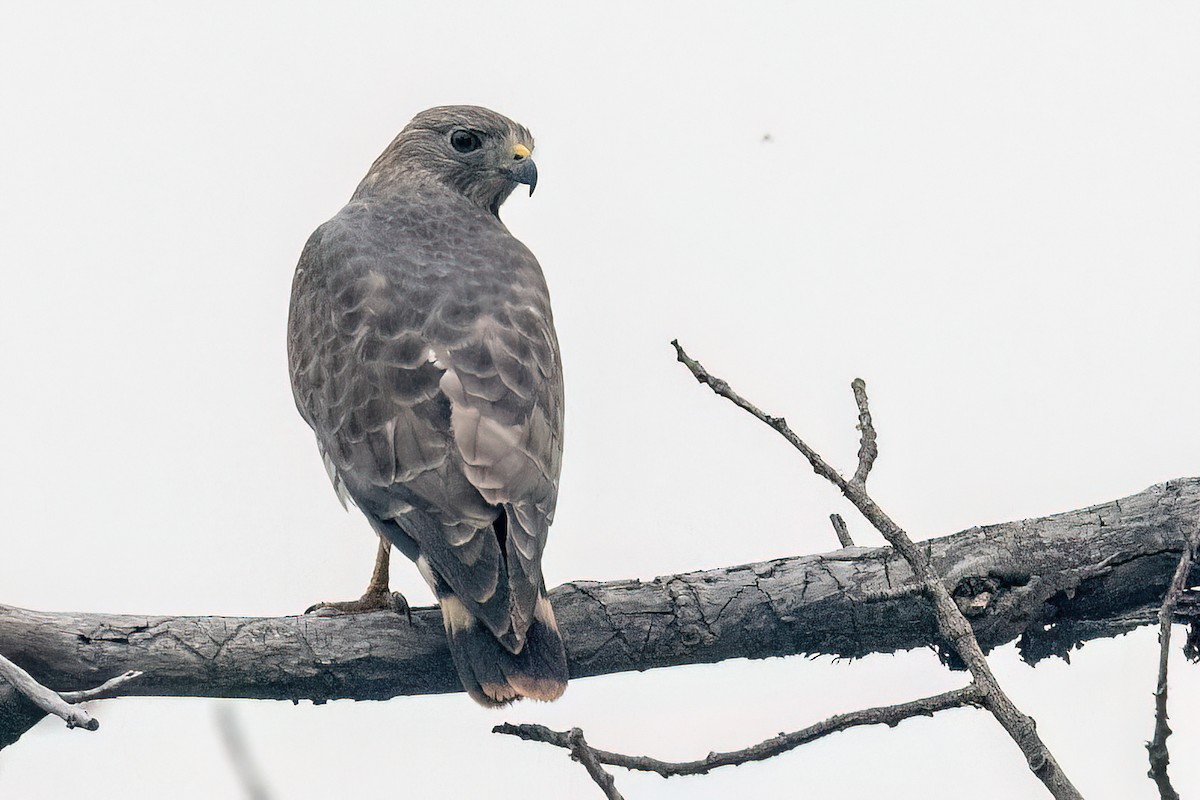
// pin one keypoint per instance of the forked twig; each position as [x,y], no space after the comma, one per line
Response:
[61,704]
[587,756]
[952,625]
[883,715]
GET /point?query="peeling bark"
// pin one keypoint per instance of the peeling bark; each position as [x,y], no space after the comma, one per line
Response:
[1049,583]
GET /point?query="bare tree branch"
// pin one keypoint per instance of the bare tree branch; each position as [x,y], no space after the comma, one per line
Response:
[907,590]
[779,424]
[883,715]
[110,688]
[61,704]
[586,756]
[45,699]
[1048,583]
[867,449]
[1157,746]
[843,533]
[951,624]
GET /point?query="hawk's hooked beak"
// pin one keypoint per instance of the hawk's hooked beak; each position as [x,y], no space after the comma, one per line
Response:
[523,170]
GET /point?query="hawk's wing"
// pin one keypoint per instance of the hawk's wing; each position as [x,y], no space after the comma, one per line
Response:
[431,375]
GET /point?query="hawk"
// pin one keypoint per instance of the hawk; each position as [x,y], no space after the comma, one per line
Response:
[422,353]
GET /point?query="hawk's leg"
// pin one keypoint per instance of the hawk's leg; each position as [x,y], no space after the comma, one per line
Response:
[377,597]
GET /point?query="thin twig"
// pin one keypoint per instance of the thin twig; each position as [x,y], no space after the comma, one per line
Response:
[107,689]
[843,533]
[882,715]
[952,625]
[1157,747]
[236,748]
[867,449]
[586,756]
[779,424]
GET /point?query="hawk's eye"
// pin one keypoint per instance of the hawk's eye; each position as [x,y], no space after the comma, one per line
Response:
[465,141]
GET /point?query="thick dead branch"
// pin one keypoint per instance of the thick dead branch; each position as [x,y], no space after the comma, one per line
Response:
[1157,746]
[913,590]
[952,626]
[1049,583]
[883,715]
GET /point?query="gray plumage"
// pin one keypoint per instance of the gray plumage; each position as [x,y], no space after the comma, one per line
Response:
[422,352]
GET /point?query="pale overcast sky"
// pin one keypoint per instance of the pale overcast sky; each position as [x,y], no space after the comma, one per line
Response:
[989,211]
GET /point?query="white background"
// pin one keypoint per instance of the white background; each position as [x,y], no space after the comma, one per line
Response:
[990,212]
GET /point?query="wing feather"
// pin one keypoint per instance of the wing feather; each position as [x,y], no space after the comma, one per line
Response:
[431,376]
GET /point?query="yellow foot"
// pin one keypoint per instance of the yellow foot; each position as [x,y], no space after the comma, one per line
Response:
[381,600]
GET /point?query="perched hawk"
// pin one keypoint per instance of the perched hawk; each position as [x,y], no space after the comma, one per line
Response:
[422,352]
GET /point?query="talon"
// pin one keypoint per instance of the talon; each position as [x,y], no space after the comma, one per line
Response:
[376,598]
[323,610]
[371,601]
[400,605]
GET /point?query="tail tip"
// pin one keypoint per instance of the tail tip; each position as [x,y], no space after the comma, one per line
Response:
[517,686]
[495,677]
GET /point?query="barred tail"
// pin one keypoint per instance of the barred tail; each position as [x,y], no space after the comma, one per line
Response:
[489,672]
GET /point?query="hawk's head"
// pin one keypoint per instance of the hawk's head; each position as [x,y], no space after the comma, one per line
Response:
[477,152]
